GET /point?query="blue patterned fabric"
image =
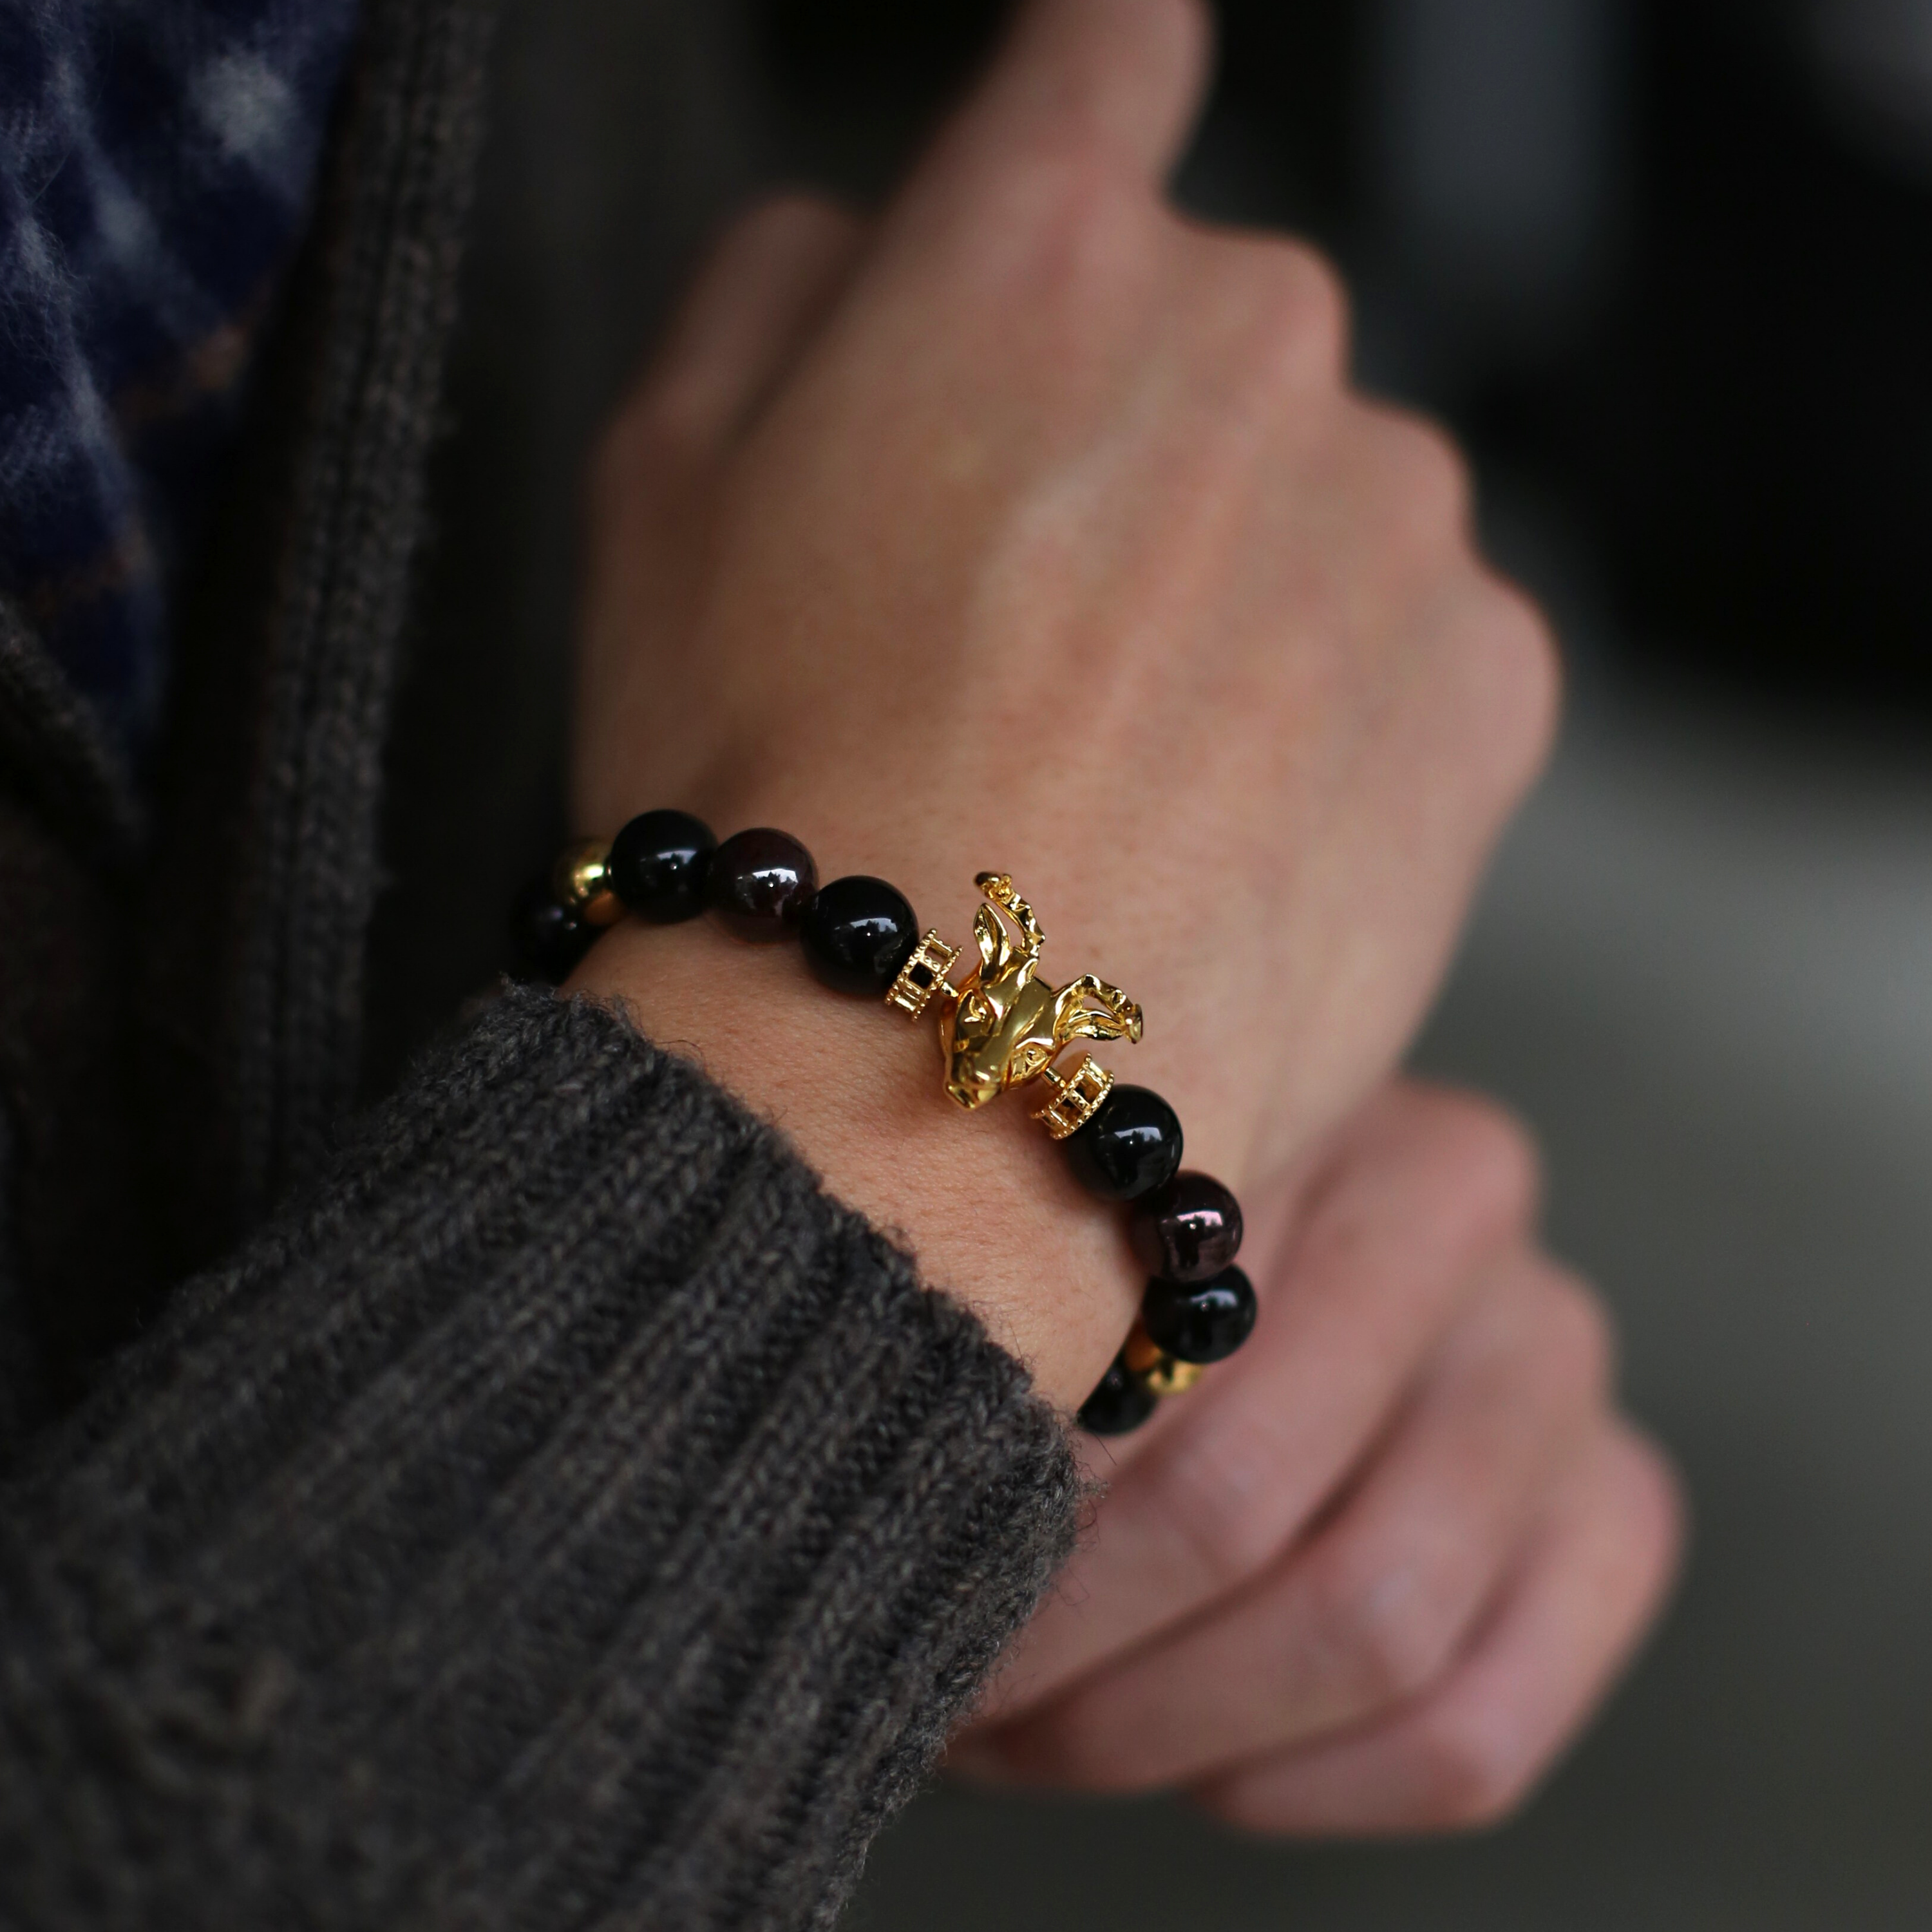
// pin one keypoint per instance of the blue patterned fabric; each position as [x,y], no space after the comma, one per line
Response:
[157,161]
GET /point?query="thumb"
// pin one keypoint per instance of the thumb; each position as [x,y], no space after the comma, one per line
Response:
[1123,78]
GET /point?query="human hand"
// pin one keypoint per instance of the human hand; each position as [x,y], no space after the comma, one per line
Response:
[1037,529]
[1376,1582]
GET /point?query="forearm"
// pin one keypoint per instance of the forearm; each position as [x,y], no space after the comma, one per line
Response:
[567,1496]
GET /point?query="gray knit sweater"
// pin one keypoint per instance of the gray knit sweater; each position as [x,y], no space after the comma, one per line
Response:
[532,1503]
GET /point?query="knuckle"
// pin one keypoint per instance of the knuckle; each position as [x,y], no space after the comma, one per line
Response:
[1428,477]
[1167,36]
[1505,656]
[1212,1490]
[1189,23]
[1662,1509]
[1488,1172]
[1525,680]
[1385,1624]
[1302,306]
[1228,1542]
[1471,1773]
[1500,1172]
[1583,1338]
[1315,298]
[1083,216]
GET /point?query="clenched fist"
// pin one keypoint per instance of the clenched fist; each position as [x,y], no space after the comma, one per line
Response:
[1377,1581]
[1036,528]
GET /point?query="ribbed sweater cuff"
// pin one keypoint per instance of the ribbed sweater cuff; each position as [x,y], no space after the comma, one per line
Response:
[568,1514]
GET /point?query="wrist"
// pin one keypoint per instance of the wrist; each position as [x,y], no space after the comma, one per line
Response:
[983,1200]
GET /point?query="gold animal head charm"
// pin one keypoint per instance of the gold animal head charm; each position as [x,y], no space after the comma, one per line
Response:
[1005,1026]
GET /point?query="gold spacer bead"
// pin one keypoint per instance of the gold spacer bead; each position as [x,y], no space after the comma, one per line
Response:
[1172,1377]
[922,977]
[1139,1351]
[1075,1102]
[583,885]
[1157,1372]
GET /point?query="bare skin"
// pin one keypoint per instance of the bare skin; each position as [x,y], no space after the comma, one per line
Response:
[1036,528]
[1379,1580]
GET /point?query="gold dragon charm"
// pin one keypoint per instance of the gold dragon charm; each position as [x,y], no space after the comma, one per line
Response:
[1005,1026]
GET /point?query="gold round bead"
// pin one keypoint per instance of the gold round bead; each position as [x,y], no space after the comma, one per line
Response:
[1170,1376]
[1157,1372]
[582,883]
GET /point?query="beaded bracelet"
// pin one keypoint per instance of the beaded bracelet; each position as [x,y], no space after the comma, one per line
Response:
[1003,1027]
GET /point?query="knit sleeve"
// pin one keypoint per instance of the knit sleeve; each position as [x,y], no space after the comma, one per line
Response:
[568,1516]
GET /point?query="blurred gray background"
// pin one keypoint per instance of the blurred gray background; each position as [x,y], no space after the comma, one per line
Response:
[1669,270]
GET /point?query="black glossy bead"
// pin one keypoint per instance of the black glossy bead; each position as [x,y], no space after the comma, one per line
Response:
[857,934]
[759,884]
[1119,1406]
[546,940]
[1188,1230]
[658,863]
[1204,1323]
[1130,1147]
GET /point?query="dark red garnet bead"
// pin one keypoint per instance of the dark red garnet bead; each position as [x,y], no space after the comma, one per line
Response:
[857,934]
[759,884]
[1204,1323]
[1188,1230]
[1119,1406]
[658,863]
